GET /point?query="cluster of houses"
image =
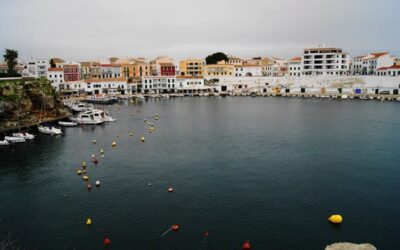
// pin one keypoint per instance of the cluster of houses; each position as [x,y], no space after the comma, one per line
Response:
[164,75]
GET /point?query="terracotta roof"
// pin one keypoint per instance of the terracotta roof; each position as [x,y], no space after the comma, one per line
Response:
[295,59]
[167,64]
[55,69]
[379,54]
[110,65]
[391,67]
[118,79]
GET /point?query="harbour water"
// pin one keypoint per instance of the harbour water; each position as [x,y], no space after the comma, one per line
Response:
[268,170]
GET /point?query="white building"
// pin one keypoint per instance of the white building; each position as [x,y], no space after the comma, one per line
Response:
[159,84]
[188,84]
[248,70]
[110,70]
[295,66]
[56,77]
[369,64]
[393,70]
[110,86]
[36,68]
[325,61]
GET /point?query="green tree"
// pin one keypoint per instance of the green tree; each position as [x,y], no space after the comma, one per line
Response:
[52,63]
[10,56]
[216,57]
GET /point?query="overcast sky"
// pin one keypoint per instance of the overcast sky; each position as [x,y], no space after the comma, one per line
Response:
[91,29]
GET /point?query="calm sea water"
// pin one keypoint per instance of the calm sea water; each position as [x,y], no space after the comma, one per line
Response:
[268,170]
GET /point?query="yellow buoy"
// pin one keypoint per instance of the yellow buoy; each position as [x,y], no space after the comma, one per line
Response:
[88,221]
[130,134]
[84,164]
[101,151]
[336,219]
[142,138]
[114,144]
[94,141]
[79,172]
[85,177]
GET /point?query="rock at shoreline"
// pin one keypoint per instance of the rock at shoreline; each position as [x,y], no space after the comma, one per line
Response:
[350,246]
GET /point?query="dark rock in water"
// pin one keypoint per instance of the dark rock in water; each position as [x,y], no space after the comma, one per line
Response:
[350,246]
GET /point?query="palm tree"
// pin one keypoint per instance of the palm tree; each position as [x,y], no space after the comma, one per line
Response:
[10,56]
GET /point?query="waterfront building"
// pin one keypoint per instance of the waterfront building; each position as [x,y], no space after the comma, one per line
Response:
[368,64]
[155,69]
[110,86]
[159,84]
[95,70]
[248,70]
[36,68]
[56,77]
[221,69]
[393,70]
[71,71]
[86,70]
[110,70]
[191,67]
[165,69]
[325,61]
[235,60]
[295,66]
[189,84]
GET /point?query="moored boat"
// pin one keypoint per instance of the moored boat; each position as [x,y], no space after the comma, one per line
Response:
[49,130]
[4,143]
[85,118]
[67,124]
[24,135]
[13,139]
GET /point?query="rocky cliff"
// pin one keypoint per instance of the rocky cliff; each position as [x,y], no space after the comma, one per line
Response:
[24,102]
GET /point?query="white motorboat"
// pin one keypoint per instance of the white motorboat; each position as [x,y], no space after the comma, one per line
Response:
[4,143]
[13,139]
[67,124]
[24,135]
[139,96]
[49,130]
[87,118]
[100,114]
[80,107]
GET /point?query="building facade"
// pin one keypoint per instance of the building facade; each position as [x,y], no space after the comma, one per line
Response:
[393,70]
[248,70]
[295,66]
[219,70]
[165,69]
[369,64]
[71,71]
[56,77]
[189,84]
[110,70]
[191,67]
[325,61]
[109,86]
[36,68]
[158,84]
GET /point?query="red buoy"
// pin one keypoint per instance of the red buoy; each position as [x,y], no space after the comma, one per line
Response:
[107,241]
[175,227]
[95,161]
[205,234]
[170,189]
[246,245]
[89,186]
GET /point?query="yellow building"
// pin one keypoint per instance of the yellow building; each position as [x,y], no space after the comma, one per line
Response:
[135,68]
[221,69]
[192,67]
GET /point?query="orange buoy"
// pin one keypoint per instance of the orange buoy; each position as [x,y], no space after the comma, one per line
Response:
[170,189]
[107,241]
[175,227]
[246,245]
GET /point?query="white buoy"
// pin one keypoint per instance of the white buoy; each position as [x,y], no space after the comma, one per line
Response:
[97,183]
